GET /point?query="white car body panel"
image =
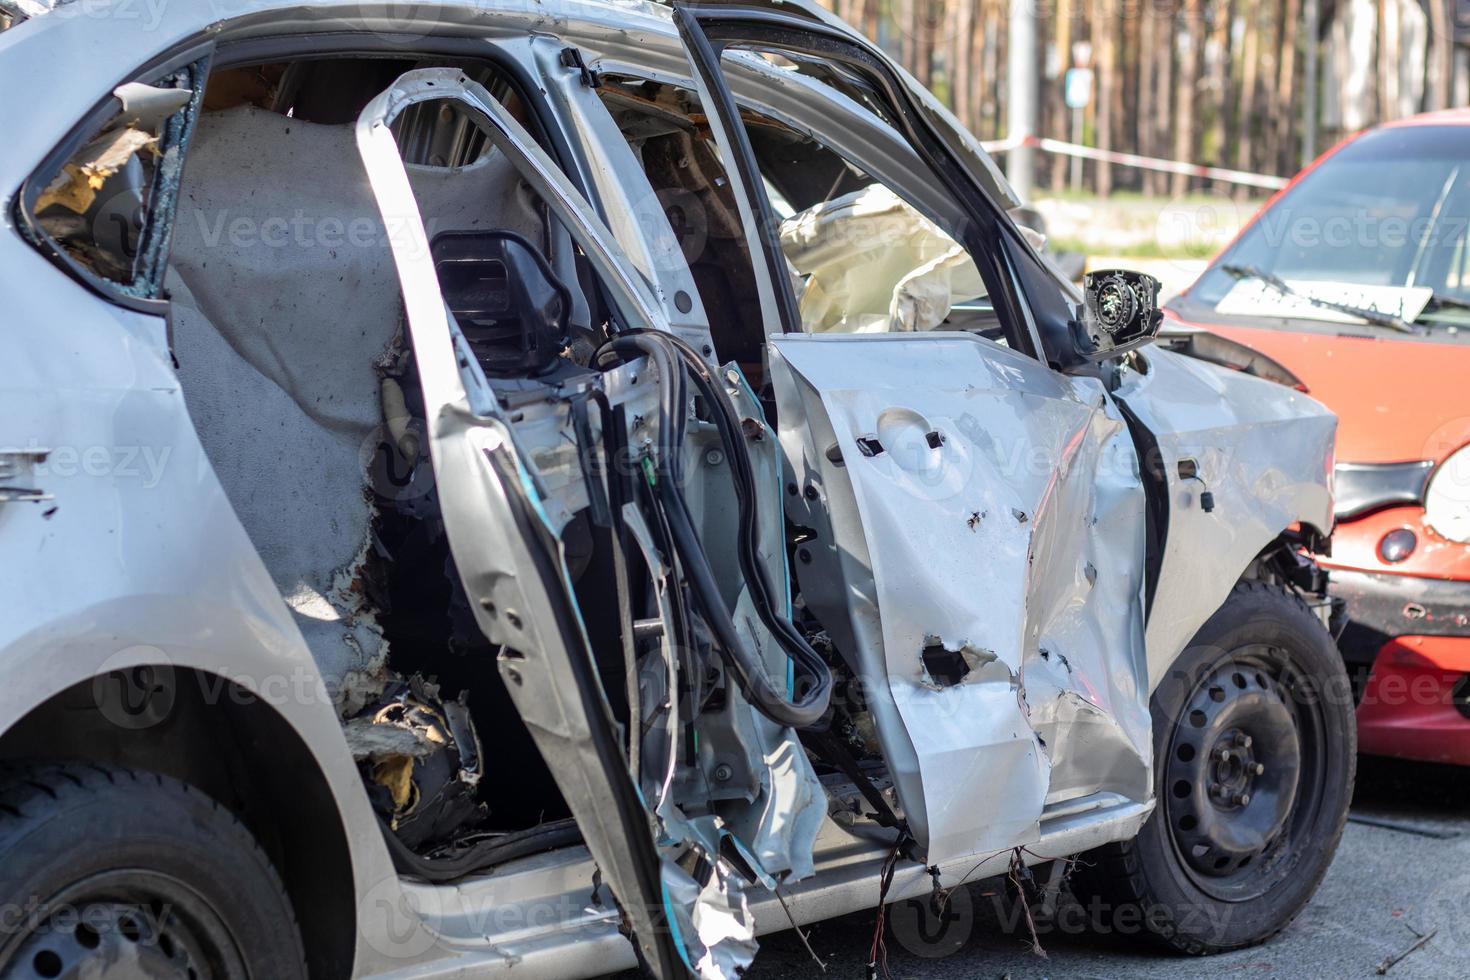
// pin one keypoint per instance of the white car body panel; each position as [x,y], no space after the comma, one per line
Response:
[1265,453]
[1001,544]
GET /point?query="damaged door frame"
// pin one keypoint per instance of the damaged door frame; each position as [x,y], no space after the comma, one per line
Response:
[1000,254]
[521,592]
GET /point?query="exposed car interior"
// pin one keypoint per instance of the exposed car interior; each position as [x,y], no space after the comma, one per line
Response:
[287,327]
[288,332]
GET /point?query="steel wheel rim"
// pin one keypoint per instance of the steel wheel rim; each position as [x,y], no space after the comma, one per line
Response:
[1244,774]
[125,925]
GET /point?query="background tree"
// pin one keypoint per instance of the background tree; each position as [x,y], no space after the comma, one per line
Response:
[1216,82]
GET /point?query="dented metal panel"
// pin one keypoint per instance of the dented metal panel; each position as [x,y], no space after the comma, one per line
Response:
[1264,454]
[969,489]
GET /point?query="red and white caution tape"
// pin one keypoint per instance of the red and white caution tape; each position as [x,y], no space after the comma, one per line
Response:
[1134,160]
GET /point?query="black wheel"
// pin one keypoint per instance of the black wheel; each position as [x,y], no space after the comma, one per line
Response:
[112,873]
[1255,748]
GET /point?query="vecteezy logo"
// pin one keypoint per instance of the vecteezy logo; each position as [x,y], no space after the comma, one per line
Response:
[934,926]
[136,688]
[1447,911]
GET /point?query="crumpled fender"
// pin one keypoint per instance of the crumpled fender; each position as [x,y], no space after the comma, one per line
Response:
[1264,454]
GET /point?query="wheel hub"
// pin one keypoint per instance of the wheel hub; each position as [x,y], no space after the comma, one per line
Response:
[1232,770]
[1232,773]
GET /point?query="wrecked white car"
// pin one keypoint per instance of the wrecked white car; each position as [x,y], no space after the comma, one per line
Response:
[562,486]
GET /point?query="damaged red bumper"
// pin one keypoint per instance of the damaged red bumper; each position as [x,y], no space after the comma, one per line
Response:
[1407,642]
[1416,704]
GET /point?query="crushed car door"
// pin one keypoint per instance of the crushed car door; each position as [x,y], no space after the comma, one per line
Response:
[973,521]
[505,544]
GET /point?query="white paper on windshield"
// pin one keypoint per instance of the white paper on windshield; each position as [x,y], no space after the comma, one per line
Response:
[1252,297]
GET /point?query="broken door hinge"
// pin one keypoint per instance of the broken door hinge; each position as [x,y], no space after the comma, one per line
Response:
[572,58]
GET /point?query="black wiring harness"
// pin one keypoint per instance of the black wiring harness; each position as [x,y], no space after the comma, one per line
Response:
[677,364]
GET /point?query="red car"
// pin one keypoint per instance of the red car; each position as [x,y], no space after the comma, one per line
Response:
[1353,284]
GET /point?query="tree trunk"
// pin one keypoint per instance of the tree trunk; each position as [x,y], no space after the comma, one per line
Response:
[902,13]
[994,90]
[872,13]
[962,58]
[1163,56]
[1185,141]
[930,13]
[1249,69]
[1109,87]
[1286,102]
[1222,72]
[1441,50]
[1388,75]
[1143,85]
[1062,129]
[1270,76]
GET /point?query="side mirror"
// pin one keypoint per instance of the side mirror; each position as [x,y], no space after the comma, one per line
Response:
[1121,312]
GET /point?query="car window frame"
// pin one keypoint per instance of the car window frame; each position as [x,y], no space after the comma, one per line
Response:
[149,295]
[452,378]
[1030,305]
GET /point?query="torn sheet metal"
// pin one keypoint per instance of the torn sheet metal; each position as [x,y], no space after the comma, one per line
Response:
[962,475]
[1085,673]
[706,874]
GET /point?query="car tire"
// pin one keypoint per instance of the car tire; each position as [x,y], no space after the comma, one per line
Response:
[1255,749]
[112,872]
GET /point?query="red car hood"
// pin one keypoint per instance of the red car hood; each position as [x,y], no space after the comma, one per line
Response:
[1396,400]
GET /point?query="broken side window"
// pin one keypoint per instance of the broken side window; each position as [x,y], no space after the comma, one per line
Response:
[104,208]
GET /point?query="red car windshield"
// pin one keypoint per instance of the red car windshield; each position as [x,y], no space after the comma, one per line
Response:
[1383,225]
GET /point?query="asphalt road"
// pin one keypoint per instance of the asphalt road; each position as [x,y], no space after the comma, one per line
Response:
[1403,870]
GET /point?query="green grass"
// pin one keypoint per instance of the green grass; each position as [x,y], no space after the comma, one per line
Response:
[1138,197]
[1138,250]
